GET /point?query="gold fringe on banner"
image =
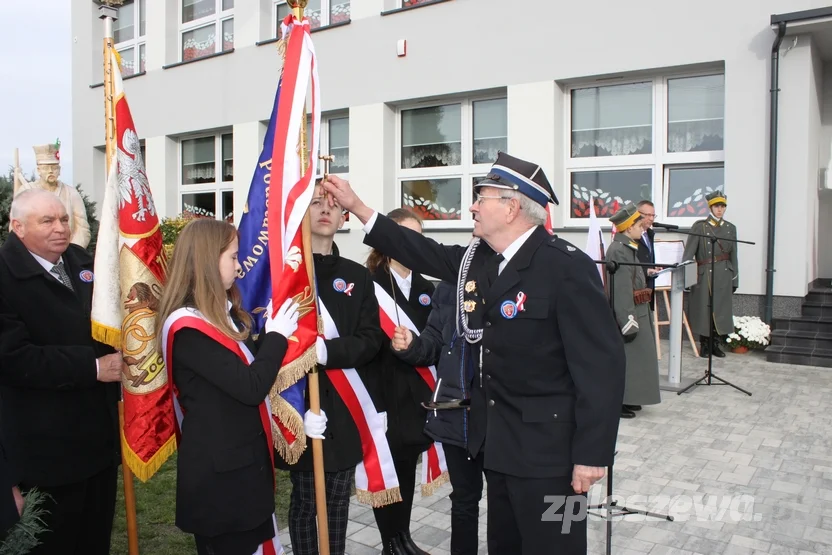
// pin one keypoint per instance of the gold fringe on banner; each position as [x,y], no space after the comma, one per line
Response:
[107,335]
[145,470]
[430,488]
[379,498]
[295,370]
[287,414]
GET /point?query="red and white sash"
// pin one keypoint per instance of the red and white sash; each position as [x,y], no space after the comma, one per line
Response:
[192,318]
[434,466]
[376,482]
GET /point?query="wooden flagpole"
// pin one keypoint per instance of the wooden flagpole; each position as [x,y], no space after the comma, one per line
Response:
[314,388]
[109,13]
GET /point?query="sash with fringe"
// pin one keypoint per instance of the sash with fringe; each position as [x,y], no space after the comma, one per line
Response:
[434,466]
[192,318]
[376,482]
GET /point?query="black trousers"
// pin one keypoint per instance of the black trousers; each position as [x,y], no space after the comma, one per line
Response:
[303,527]
[395,518]
[235,543]
[522,521]
[466,481]
[80,519]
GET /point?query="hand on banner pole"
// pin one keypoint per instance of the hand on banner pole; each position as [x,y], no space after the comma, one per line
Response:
[320,347]
[402,338]
[110,368]
[584,476]
[341,192]
[314,425]
[285,321]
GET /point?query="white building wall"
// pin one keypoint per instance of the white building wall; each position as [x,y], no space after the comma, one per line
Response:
[471,45]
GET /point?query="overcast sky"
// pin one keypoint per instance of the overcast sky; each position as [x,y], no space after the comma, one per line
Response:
[36,68]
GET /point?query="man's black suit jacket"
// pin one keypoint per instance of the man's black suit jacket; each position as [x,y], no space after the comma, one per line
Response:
[648,256]
[60,422]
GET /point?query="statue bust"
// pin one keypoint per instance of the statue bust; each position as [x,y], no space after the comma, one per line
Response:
[49,169]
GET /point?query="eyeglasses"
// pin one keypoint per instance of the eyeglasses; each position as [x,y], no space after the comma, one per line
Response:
[479,198]
[647,215]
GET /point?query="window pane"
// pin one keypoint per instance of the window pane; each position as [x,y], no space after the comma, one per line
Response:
[128,61]
[283,10]
[687,188]
[695,113]
[199,42]
[313,12]
[228,157]
[198,163]
[227,4]
[339,145]
[340,11]
[432,137]
[124,28]
[227,34]
[142,57]
[142,17]
[433,199]
[195,9]
[490,130]
[199,205]
[608,188]
[228,206]
[612,121]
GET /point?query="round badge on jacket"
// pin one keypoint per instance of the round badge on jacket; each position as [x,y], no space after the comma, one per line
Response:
[339,285]
[508,309]
[424,299]
[86,276]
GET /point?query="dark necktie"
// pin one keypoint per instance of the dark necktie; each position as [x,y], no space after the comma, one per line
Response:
[59,270]
[493,268]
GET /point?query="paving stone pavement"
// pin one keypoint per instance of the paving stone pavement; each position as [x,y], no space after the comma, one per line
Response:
[741,475]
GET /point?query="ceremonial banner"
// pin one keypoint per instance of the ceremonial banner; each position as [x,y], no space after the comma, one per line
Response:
[276,262]
[130,266]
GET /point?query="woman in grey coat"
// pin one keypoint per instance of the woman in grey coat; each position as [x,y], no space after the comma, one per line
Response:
[726,277]
[631,298]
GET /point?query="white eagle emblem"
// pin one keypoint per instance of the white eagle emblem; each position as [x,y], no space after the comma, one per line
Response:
[132,179]
[293,258]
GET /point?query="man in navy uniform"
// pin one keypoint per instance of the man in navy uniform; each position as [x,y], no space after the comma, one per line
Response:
[547,371]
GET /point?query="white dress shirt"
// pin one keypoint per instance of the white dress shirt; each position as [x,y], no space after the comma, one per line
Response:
[46,264]
[404,283]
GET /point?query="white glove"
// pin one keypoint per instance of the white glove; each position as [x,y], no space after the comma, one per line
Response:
[383,416]
[320,347]
[314,425]
[285,321]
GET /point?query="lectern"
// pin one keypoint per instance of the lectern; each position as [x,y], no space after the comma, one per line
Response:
[681,277]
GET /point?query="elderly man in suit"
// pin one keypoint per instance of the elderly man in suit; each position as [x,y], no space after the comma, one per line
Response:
[59,387]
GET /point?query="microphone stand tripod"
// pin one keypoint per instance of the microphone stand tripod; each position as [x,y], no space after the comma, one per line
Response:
[611,506]
[709,375]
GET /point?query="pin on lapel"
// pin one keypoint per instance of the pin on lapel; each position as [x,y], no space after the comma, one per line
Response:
[342,287]
[520,301]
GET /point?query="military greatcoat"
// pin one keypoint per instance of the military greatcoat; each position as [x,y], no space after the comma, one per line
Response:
[725,279]
[641,386]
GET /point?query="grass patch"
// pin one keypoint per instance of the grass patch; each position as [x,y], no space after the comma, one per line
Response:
[156,512]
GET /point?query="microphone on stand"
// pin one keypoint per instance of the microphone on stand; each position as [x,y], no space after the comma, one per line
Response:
[665,226]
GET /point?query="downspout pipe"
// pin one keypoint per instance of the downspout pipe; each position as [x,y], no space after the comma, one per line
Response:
[772,168]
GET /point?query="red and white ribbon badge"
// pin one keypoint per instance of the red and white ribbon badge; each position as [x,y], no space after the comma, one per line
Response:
[348,290]
[520,301]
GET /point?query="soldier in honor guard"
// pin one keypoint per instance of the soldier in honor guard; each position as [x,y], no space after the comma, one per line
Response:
[631,297]
[547,372]
[725,279]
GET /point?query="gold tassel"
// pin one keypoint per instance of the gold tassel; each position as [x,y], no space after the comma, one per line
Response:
[295,370]
[430,488]
[379,498]
[107,335]
[294,422]
[145,470]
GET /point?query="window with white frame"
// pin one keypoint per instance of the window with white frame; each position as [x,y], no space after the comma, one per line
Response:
[335,142]
[320,13]
[207,27]
[651,139]
[129,32]
[207,177]
[443,151]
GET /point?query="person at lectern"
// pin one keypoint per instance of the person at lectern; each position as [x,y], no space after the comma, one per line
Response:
[725,279]
[631,298]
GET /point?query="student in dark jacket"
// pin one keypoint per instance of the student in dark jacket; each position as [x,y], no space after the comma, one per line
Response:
[225,475]
[345,291]
[400,388]
[438,344]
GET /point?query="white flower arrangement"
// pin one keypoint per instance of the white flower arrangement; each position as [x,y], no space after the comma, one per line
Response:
[749,331]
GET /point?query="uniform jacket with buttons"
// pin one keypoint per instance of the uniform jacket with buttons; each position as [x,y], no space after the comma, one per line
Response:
[553,369]
[60,423]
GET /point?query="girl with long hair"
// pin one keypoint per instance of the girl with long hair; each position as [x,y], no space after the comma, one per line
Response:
[225,476]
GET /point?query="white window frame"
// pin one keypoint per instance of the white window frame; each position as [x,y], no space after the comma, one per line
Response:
[217,19]
[660,161]
[466,172]
[138,41]
[218,187]
[326,14]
